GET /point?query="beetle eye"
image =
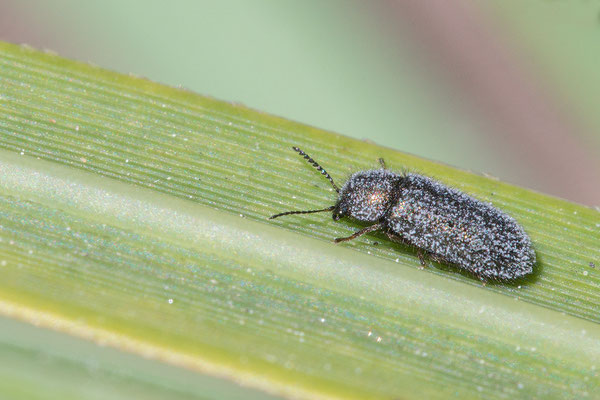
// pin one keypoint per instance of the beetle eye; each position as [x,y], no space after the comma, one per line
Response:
[337,215]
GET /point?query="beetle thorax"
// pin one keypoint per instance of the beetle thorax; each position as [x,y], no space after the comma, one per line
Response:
[367,195]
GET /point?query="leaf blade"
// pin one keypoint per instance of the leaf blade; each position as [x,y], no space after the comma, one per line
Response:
[195,155]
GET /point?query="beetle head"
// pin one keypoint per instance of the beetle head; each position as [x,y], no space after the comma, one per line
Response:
[367,195]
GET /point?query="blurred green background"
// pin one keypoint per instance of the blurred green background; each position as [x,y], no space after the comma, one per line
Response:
[507,88]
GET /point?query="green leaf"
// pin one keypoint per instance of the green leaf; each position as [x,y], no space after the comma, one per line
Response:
[135,215]
[41,364]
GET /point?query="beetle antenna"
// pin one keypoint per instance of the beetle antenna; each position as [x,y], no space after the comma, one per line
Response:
[301,212]
[318,167]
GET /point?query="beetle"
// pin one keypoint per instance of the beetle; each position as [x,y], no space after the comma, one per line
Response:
[441,222]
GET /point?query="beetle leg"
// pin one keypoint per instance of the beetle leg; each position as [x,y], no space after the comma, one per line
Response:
[396,238]
[382,162]
[438,259]
[359,233]
[421,255]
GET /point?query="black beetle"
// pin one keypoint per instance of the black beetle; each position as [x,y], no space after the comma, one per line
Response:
[441,222]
